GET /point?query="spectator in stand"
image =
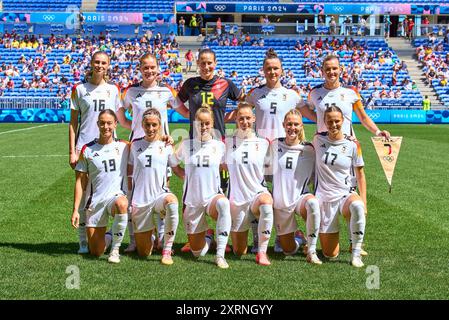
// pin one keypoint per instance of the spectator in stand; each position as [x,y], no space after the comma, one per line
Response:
[181,26]
[189,60]
[398,93]
[425,26]
[219,26]
[410,26]
[193,25]
[383,94]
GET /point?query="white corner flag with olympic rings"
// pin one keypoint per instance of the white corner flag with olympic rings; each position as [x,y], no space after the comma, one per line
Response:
[388,152]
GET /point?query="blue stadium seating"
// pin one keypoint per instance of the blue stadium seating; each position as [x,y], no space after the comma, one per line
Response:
[11,56]
[135,6]
[38,5]
[251,59]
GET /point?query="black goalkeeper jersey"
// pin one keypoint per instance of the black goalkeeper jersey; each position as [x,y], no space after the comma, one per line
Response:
[214,92]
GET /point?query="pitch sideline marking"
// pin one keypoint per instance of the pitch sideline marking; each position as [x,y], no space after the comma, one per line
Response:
[36,156]
[16,130]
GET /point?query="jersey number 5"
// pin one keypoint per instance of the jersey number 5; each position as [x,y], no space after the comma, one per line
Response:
[273,107]
[207,97]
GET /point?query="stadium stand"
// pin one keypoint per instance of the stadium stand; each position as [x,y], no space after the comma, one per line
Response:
[39,5]
[368,64]
[135,6]
[37,67]
[433,54]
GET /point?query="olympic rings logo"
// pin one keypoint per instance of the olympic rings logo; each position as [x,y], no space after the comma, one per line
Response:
[218,7]
[374,116]
[338,8]
[388,158]
[48,18]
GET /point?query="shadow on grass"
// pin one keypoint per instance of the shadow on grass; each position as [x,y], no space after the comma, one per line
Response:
[49,248]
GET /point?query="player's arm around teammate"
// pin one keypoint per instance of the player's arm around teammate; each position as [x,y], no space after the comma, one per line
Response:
[202,157]
[103,163]
[293,162]
[336,156]
[148,160]
[245,161]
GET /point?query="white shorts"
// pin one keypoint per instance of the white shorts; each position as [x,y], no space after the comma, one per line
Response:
[98,216]
[240,214]
[195,217]
[330,214]
[142,217]
[285,220]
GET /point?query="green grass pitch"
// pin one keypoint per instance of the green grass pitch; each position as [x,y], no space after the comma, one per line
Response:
[407,233]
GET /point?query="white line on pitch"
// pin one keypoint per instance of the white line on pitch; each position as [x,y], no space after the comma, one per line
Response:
[36,156]
[16,130]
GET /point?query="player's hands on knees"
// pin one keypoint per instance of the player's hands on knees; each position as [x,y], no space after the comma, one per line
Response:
[168,140]
[72,160]
[75,219]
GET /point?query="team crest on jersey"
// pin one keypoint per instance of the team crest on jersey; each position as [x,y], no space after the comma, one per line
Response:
[117,150]
[108,93]
[284,97]
[343,149]
[257,147]
[342,97]
[161,150]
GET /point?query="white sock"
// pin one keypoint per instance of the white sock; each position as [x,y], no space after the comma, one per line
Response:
[82,229]
[254,228]
[312,223]
[118,230]
[265,226]
[357,225]
[131,228]
[160,227]
[223,225]
[171,221]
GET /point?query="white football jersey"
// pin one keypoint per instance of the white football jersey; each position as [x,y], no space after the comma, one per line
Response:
[90,100]
[346,98]
[106,166]
[246,159]
[335,161]
[149,161]
[271,107]
[202,169]
[137,99]
[293,167]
